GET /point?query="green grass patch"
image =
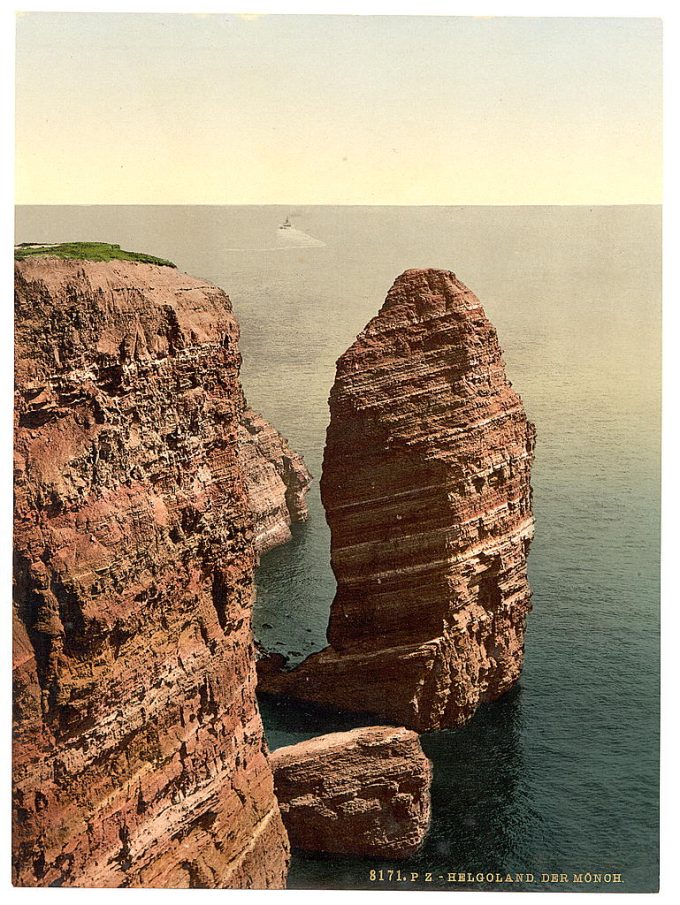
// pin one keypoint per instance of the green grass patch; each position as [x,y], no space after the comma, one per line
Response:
[85,251]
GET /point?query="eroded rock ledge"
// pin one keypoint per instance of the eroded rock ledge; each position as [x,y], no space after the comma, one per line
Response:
[426,485]
[364,792]
[277,481]
[139,756]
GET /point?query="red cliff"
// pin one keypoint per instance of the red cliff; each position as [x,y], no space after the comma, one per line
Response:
[426,486]
[277,481]
[139,756]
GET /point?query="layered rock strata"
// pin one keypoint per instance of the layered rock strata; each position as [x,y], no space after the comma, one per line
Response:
[139,756]
[426,486]
[277,481]
[364,792]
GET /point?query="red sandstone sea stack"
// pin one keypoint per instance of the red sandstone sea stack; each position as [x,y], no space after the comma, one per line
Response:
[139,756]
[426,486]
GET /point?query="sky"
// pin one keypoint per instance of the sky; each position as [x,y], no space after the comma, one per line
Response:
[120,108]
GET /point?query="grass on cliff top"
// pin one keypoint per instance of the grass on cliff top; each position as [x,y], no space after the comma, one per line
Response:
[86,251]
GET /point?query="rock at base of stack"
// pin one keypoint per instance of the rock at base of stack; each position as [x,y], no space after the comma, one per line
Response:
[277,481]
[139,757]
[364,792]
[426,486]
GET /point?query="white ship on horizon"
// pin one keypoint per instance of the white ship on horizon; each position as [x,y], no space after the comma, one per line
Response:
[288,236]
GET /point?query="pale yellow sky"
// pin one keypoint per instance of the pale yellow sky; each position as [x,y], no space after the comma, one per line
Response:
[187,109]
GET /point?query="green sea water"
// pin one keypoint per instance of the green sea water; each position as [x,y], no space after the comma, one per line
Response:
[562,774]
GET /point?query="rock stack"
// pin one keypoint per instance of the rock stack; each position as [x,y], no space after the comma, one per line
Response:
[426,486]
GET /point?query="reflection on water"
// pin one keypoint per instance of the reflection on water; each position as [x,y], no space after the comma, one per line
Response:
[294,588]
[562,775]
[476,785]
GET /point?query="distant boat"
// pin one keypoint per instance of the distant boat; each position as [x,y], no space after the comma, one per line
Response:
[289,236]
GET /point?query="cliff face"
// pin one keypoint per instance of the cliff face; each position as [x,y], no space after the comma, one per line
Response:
[139,758]
[277,480]
[364,792]
[426,488]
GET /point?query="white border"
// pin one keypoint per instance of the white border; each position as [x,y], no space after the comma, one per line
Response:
[671,368]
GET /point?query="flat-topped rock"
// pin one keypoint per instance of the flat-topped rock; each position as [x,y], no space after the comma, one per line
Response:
[364,792]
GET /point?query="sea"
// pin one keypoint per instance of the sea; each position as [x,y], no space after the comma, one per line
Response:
[555,786]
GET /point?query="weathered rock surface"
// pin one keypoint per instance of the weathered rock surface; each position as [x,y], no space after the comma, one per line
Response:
[426,488]
[277,481]
[139,757]
[364,792]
